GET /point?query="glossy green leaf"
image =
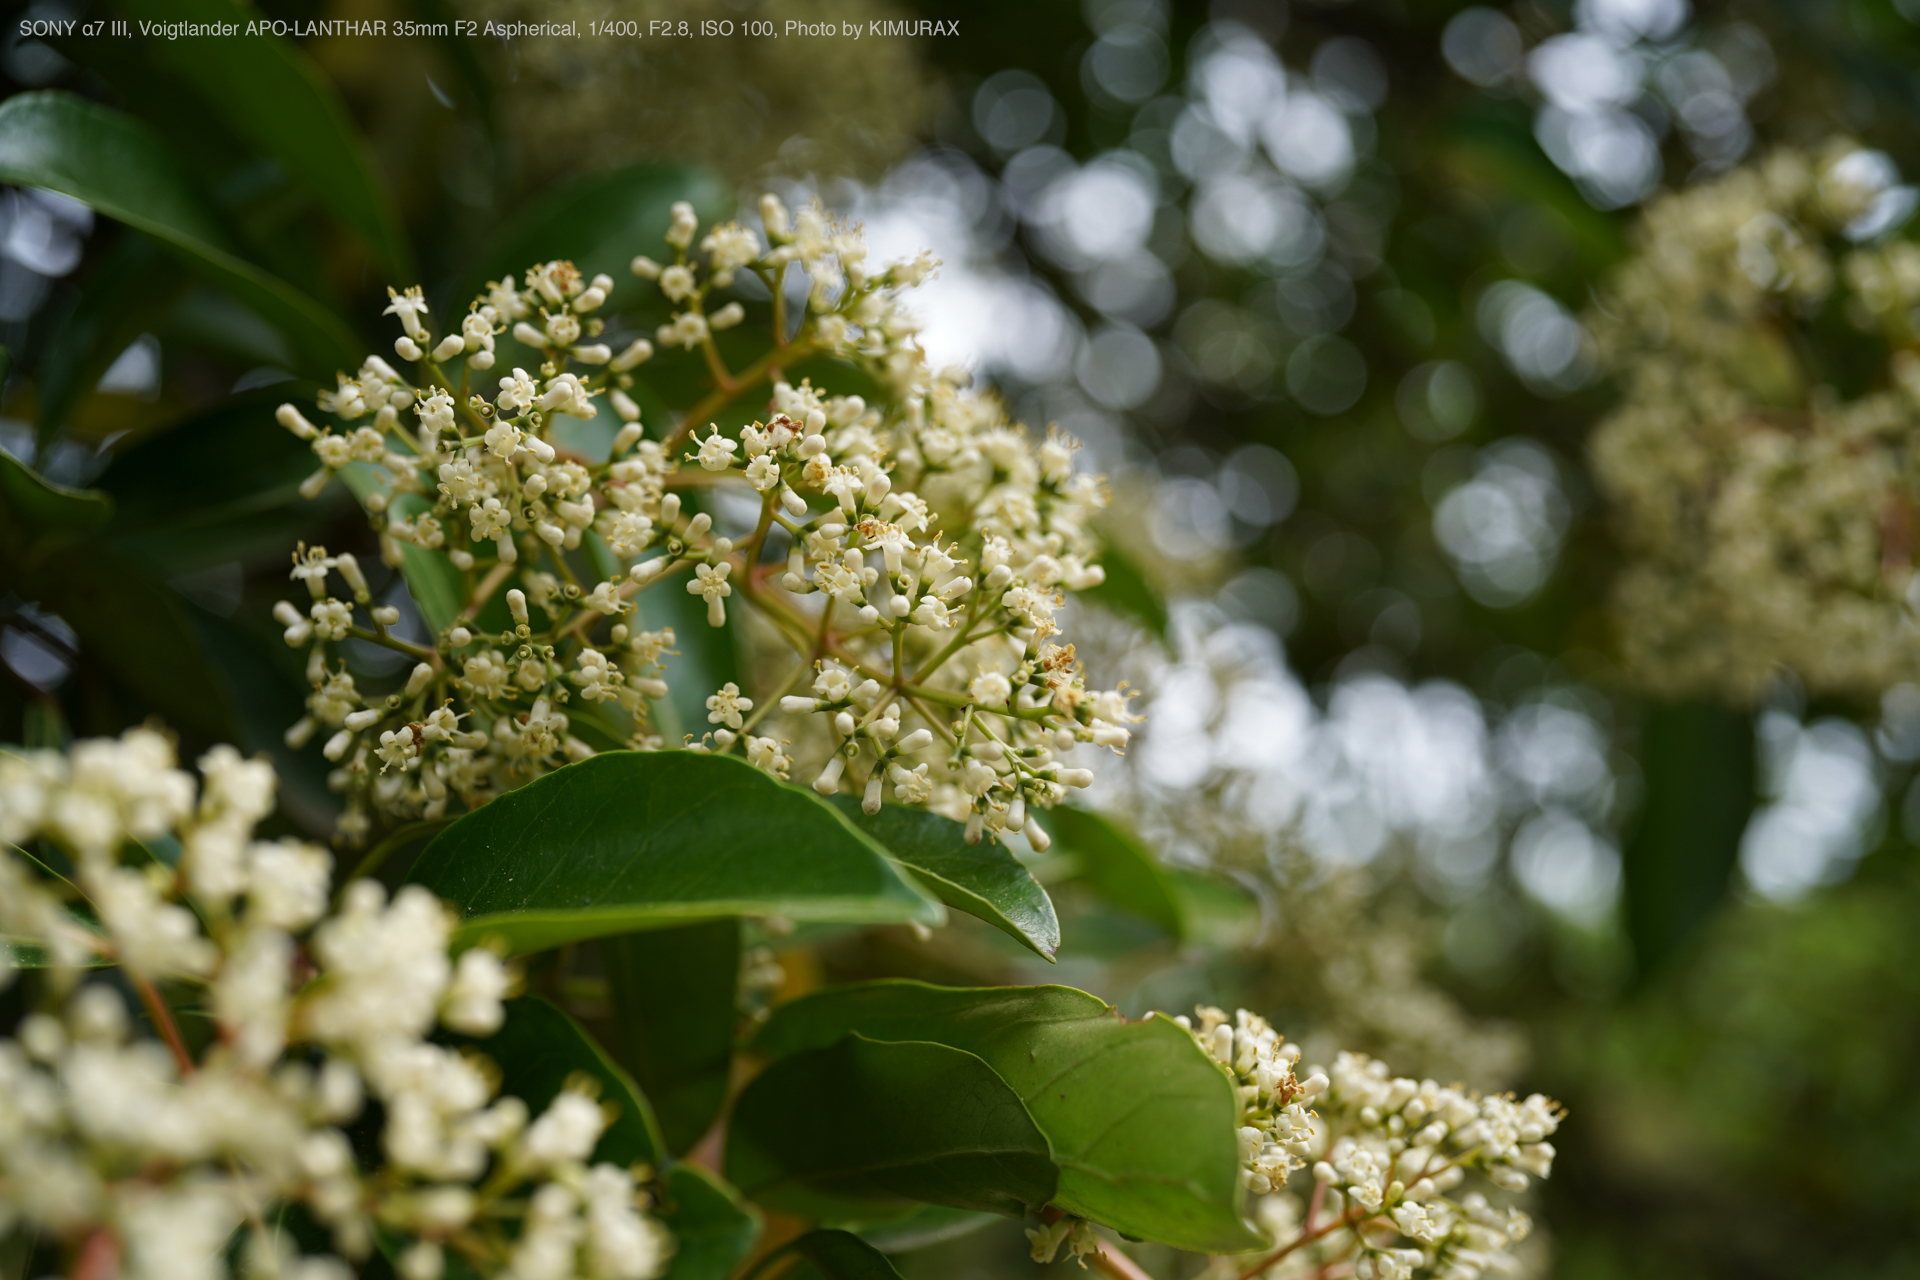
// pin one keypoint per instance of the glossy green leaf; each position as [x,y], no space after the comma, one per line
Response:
[982,879]
[837,1255]
[272,94]
[113,163]
[713,1230]
[539,1048]
[839,1131]
[1140,1120]
[632,839]
[1115,865]
[674,1012]
[1126,591]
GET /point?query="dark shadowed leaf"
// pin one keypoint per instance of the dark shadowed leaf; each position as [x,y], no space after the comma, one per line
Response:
[598,222]
[539,1048]
[838,1255]
[673,1019]
[113,163]
[272,94]
[1140,1120]
[982,879]
[837,1132]
[713,1231]
[632,839]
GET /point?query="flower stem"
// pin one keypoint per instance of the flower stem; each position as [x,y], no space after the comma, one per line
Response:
[163,1023]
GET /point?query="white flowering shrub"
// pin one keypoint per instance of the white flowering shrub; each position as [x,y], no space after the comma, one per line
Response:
[230,1058]
[298,1025]
[1761,461]
[913,552]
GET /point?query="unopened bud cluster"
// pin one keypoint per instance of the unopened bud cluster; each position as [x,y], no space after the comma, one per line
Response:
[145,1156]
[1388,1156]
[914,551]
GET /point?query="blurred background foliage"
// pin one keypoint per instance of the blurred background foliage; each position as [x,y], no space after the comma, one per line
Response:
[1308,282]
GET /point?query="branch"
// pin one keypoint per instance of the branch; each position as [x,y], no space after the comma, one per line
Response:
[163,1023]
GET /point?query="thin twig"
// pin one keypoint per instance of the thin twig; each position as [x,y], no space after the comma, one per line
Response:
[1117,1264]
[163,1022]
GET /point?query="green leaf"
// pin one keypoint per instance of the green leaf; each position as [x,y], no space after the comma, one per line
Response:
[1698,759]
[631,839]
[928,1225]
[1140,1120]
[840,1131]
[1126,591]
[539,1048]
[713,1230]
[599,223]
[982,879]
[114,164]
[273,95]
[673,1017]
[33,507]
[124,295]
[1115,865]
[838,1255]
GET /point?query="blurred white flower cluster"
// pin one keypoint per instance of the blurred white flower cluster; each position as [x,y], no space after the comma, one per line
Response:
[1763,478]
[913,551]
[1386,1155]
[142,1150]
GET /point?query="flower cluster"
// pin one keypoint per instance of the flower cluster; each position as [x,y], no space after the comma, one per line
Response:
[914,551]
[150,1153]
[1386,1153]
[1767,483]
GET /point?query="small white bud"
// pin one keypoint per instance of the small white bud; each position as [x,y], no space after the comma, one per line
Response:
[517,605]
[337,745]
[918,740]
[698,526]
[293,420]
[794,705]
[644,267]
[358,720]
[417,680]
[870,802]
[624,406]
[647,570]
[595,353]
[406,348]
[450,346]
[386,615]
[1036,835]
[627,437]
[727,317]
[639,351]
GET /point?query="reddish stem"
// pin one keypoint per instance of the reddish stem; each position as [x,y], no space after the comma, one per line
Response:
[1118,1265]
[99,1257]
[163,1022]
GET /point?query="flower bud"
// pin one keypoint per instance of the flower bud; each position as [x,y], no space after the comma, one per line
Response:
[450,346]
[644,267]
[638,351]
[386,615]
[293,420]
[624,406]
[727,317]
[596,353]
[528,336]
[517,605]
[358,720]
[918,740]
[406,348]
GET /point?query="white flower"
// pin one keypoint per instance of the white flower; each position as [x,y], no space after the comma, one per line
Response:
[725,706]
[710,582]
[716,452]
